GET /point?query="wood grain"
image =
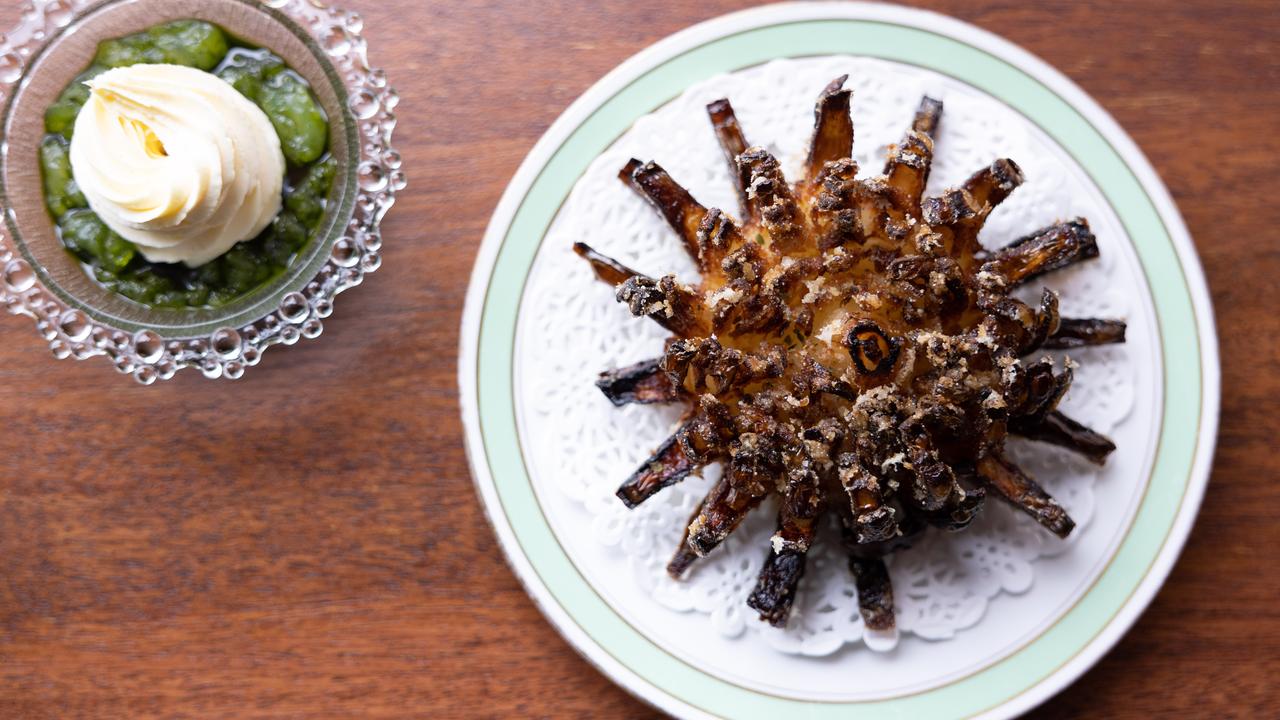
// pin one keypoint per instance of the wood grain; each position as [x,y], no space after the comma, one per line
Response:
[306,543]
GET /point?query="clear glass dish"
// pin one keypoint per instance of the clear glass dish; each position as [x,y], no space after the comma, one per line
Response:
[53,42]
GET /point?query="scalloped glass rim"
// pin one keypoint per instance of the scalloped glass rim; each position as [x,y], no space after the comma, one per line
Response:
[81,320]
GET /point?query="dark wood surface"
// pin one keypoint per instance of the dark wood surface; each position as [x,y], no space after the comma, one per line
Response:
[306,543]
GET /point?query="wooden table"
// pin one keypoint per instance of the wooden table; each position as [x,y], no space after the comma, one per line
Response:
[306,543]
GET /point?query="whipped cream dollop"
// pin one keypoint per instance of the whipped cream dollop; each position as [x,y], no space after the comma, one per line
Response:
[176,161]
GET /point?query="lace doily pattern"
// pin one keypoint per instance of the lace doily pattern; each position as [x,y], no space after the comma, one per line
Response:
[571,328]
[228,351]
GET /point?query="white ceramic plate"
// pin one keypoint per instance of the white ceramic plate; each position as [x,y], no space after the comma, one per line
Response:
[1039,641]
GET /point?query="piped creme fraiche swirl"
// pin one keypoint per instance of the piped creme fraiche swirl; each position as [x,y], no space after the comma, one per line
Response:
[176,161]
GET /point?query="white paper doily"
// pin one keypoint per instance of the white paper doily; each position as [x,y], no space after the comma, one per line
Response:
[570,329]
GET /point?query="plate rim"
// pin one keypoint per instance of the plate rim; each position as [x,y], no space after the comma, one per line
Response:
[653,56]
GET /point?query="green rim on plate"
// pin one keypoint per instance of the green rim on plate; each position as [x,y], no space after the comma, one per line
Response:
[493,309]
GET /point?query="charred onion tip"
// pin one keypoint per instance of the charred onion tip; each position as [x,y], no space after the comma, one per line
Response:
[928,115]
[625,495]
[1008,171]
[629,170]
[1079,227]
[1062,526]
